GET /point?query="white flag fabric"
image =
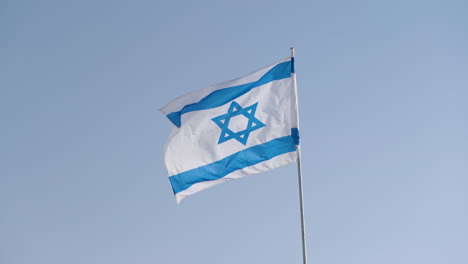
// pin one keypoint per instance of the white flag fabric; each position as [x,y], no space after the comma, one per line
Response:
[233,129]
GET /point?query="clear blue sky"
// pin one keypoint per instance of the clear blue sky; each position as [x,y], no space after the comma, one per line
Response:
[383,90]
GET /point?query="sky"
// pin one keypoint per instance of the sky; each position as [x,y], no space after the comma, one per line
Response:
[382,90]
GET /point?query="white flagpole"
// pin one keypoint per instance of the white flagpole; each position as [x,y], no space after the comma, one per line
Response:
[299,174]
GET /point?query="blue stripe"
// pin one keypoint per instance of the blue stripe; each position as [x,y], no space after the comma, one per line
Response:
[295,135]
[293,70]
[236,161]
[225,95]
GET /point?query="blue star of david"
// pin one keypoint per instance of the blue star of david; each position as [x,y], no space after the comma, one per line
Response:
[235,110]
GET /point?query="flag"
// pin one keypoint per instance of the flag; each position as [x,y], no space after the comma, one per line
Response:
[232,129]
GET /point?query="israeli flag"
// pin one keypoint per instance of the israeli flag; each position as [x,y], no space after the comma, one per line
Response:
[233,129]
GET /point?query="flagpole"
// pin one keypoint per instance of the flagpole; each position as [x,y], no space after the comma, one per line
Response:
[299,174]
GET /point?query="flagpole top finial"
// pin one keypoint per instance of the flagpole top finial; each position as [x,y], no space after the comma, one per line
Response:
[292,51]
